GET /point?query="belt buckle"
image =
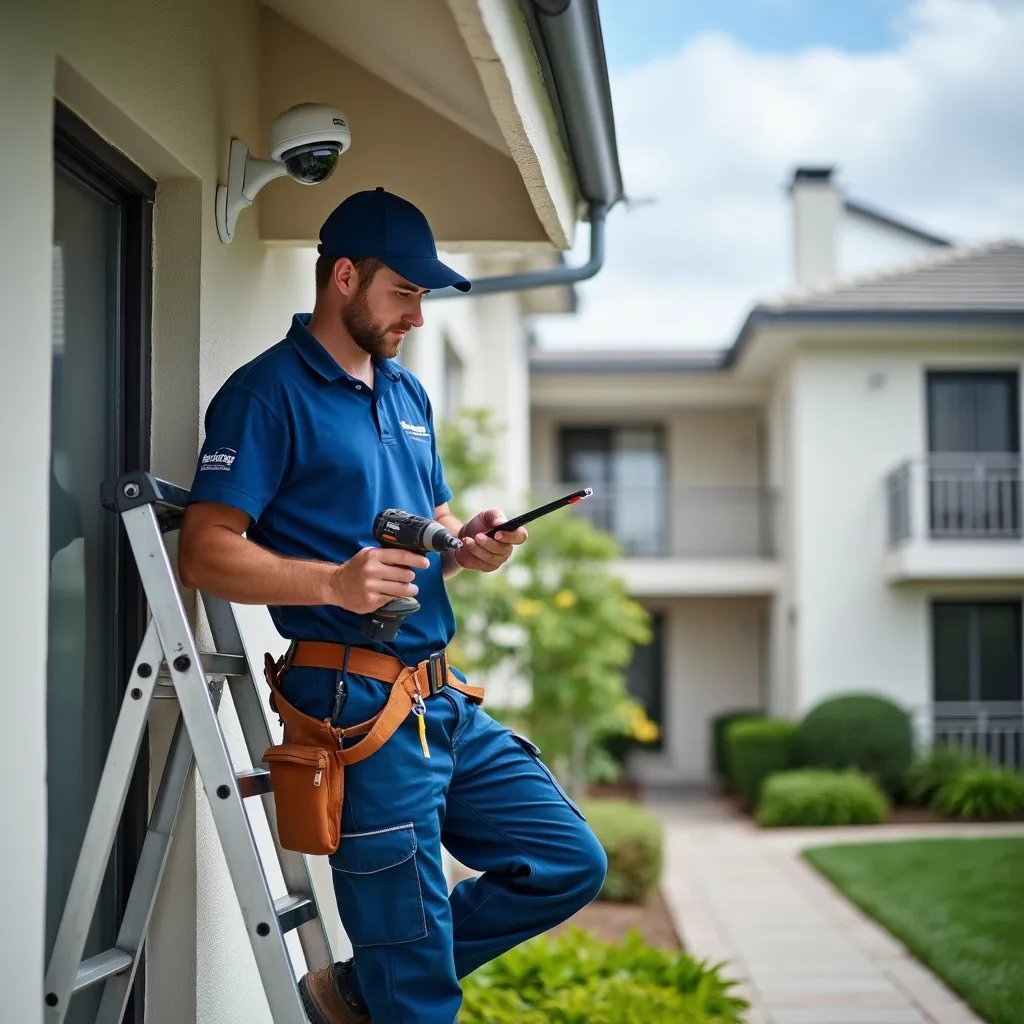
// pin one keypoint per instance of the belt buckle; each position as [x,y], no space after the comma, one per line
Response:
[437,671]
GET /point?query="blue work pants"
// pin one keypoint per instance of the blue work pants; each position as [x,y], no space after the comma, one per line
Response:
[486,796]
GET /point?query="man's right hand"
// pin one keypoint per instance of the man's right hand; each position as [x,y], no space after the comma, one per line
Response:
[374,576]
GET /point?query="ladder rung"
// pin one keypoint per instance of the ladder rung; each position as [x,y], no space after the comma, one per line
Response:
[102,966]
[253,782]
[214,664]
[293,911]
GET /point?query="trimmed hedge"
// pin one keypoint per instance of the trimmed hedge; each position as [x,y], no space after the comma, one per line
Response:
[860,731]
[719,755]
[981,793]
[573,978]
[633,839]
[812,796]
[757,748]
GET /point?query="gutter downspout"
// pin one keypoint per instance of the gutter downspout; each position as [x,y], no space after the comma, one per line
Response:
[567,37]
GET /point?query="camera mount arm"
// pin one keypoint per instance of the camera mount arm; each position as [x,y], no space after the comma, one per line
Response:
[246,176]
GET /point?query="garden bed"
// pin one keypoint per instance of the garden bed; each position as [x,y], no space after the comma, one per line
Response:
[611,922]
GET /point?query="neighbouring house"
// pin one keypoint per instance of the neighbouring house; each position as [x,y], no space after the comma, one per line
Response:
[122,312]
[831,504]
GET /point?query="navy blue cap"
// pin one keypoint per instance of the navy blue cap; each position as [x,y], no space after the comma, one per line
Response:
[380,224]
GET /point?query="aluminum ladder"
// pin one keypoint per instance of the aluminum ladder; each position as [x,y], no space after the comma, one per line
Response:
[169,664]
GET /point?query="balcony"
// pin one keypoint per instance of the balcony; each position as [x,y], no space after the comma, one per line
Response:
[686,540]
[993,729]
[955,516]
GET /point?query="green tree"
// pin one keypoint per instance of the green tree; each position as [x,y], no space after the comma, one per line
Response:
[557,615]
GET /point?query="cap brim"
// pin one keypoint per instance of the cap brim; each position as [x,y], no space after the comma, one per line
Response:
[426,272]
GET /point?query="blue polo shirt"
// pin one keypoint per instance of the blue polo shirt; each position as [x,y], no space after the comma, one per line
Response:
[312,455]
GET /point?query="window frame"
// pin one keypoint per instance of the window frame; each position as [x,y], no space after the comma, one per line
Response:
[79,151]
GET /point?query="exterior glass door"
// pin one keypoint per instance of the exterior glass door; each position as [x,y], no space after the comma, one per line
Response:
[99,396]
[973,472]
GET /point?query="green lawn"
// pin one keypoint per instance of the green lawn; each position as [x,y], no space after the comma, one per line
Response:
[957,904]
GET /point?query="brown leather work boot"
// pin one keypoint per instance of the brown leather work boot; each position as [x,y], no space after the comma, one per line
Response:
[328,999]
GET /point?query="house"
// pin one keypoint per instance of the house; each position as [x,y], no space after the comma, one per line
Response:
[122,312]
[831,504]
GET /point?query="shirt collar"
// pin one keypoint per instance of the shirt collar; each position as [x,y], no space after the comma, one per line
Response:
[321,361]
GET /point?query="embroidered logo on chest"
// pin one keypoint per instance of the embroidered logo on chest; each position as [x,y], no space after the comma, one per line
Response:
[415,430]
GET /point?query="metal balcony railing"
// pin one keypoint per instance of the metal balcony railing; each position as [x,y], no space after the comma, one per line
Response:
[960,496]
[681,522]
[994,729]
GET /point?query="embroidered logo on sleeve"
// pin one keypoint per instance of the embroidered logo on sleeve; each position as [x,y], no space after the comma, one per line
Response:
[221,459]
[415,430]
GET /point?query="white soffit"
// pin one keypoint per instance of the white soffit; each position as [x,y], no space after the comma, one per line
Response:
[413,45]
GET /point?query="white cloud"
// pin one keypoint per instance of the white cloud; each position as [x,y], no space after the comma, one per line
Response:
[932,132]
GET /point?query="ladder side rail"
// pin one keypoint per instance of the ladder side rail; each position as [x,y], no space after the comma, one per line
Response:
[149,874]
[253,718]
[101,831]
[214,763]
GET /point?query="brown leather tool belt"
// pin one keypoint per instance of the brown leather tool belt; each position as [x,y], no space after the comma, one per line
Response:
[429,677]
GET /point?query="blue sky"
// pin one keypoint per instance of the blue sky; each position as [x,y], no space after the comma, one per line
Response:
[915,103]
[636,31]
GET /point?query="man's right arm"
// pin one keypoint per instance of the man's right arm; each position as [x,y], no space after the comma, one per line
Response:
[213,556]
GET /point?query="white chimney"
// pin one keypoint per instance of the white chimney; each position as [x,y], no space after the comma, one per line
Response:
[817,208]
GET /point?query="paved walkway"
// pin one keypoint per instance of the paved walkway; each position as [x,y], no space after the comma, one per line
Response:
[805,954]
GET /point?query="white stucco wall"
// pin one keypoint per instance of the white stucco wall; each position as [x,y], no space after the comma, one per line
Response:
[856,415]
[26,202]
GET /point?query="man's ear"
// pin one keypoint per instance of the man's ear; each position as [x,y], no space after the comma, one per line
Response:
[345,277]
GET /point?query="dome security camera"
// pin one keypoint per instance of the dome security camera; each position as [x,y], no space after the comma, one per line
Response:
[306,142]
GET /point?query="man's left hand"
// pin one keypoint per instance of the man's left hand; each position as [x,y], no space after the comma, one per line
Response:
[483,553]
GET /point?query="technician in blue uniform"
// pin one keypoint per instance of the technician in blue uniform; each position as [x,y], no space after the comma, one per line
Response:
[304,446]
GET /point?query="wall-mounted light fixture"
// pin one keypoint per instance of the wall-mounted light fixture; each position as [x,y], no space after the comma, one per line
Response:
[306,142]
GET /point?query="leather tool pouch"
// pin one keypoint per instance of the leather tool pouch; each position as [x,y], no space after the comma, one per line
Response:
[307,775]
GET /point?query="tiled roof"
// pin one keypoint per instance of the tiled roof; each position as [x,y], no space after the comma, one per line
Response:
[985,277]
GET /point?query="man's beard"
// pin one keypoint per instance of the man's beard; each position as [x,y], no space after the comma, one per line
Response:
[367,332]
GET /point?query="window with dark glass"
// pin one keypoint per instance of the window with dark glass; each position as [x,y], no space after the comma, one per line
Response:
[626,468]
[974,479]
[99,428]
[977,686]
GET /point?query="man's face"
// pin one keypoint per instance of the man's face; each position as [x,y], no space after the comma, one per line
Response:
[382,311]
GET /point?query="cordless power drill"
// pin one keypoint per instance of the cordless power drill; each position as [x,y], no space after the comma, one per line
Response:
[396,528]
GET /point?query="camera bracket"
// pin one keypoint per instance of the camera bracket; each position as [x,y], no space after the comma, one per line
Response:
[246,176]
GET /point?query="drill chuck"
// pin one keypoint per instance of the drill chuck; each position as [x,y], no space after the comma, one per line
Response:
[400,529]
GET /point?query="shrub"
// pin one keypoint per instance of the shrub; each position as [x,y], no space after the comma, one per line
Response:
[929,773]
[812,796]
[633,839]
[858,731]
[982,792]
[572,978]
[719,756]
[757,748]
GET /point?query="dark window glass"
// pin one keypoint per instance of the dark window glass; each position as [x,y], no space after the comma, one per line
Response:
[974,479]
[972,412]
[952,651]
[626,467]
[977,650]
[99,428]
[646,678]
[999,652]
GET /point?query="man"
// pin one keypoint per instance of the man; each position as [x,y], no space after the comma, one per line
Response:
[304,446]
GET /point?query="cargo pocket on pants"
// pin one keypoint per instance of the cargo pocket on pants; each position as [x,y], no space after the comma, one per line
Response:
[534,751]
[378,886]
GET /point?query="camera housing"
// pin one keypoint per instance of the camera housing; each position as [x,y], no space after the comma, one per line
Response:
[309,139]
[306,142]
